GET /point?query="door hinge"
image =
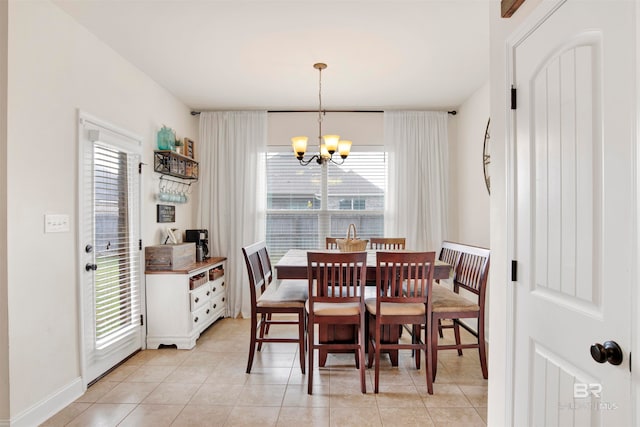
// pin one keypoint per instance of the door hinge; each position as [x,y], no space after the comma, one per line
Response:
[514,270]
[629,361]
[513,98]
[140,244]
[141,320]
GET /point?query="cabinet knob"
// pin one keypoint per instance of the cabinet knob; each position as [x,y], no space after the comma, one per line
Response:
[222,299]
[197,299]
[209,293]
[215,305]
[196,319]
[222,283]
[214,289]
[208,311]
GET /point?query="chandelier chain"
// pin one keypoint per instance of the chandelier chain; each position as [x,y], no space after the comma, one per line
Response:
[320,106]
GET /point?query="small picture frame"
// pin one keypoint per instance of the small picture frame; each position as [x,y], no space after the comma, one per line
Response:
[165,213]
[189,148]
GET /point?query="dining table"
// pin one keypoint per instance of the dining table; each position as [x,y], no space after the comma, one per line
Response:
[293,265]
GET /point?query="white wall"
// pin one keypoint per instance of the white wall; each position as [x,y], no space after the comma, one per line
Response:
[4,308]
[361,128]
[55,68]
[465,160]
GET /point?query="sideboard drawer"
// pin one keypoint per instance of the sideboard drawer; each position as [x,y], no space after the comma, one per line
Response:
[199,297]
[201,316]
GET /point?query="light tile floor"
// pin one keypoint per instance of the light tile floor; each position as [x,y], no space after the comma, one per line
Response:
[207,386]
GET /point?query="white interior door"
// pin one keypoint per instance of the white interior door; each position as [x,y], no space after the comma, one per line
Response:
[574,214]
[110,275]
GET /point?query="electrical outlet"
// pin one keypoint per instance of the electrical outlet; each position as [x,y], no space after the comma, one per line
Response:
[56,223]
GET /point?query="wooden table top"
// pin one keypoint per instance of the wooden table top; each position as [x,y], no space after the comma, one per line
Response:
[293,265]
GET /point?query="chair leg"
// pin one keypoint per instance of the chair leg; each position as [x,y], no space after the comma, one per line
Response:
[361,339]
[301,338]
[431,346]
[370,340]
[456,331]
[415,337]
[376,382]
[263,325]
[310,351]
[252,344]
[482,348]
[434,352]
[268,324]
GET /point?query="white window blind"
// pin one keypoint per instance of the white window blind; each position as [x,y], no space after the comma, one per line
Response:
[352,193]
[116,245]
[356,191]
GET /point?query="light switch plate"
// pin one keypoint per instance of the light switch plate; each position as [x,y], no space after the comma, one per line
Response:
[56,223]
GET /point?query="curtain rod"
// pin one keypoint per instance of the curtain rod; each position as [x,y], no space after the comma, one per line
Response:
[452,112]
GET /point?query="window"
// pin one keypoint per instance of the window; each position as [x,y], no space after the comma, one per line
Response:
[307,203]
[117,275]
[109,206]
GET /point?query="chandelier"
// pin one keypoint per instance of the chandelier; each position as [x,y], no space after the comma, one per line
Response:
[332,143]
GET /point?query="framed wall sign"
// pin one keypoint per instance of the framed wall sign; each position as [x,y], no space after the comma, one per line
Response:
[165,213]
[189,148]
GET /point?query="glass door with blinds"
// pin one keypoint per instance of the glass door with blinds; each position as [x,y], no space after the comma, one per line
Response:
[305,204]
[110,264]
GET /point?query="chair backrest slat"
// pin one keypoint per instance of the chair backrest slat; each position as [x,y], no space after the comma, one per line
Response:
[472,269]
[404,276]
[336,276]
[258,265]
[331,243]
[388,243]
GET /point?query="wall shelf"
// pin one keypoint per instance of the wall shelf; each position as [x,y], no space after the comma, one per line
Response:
[170,163]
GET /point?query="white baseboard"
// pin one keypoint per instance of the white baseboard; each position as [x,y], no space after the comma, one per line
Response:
[47,407]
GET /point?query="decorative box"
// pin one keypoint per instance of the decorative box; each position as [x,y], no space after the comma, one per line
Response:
[169,257]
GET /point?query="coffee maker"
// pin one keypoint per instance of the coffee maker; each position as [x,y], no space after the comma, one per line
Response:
[201,239]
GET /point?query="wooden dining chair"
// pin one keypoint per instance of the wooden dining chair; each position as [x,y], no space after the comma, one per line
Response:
[331,243]
[336,297]
[471,273]
[269,298]
[388,243]
[403,285]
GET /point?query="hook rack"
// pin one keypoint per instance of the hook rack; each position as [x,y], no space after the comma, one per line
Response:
[171,190]
[180,187]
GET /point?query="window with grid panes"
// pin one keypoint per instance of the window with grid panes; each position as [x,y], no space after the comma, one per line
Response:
[307,203]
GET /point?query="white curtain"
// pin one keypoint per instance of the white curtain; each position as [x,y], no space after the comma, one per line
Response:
[232,192]
[416,202]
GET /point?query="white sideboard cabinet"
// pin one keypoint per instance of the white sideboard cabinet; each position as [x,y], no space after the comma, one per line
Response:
[183,303]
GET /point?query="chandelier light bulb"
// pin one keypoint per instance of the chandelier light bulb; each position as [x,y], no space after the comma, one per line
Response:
[324,152]
[299,144]
[344,148]
[331,141]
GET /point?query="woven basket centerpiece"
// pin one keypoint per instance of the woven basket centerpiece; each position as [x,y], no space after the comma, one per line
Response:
[351,244]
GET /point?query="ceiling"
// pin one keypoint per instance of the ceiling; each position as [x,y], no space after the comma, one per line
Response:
[259,54]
